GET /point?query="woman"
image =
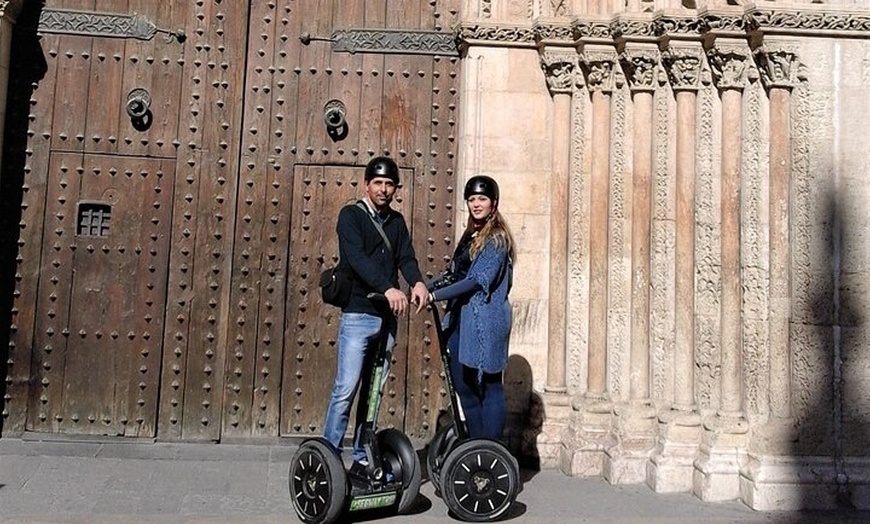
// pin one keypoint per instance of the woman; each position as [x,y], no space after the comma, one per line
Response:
[478,320]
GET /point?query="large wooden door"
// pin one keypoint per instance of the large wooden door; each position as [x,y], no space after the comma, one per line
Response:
[187,308]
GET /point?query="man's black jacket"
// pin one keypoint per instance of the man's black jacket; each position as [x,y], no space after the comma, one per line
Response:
[361,247]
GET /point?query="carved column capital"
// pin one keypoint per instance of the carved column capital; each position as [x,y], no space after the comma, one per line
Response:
[560,68]
[684,65]
[730,63]
[9,9]
[778,65]
[599,66]
[641,66]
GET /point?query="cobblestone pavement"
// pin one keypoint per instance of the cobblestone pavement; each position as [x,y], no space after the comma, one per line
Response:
[96,482]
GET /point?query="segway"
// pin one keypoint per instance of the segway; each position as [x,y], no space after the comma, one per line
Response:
[477,478]
[320,488]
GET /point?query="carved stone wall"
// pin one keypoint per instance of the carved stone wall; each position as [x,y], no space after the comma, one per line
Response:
[754,373]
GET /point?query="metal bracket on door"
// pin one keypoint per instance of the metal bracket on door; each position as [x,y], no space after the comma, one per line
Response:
[389,41]
[109,25]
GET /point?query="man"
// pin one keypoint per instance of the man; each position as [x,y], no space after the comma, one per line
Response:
[375,267]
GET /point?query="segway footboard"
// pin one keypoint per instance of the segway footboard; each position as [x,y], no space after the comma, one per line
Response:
[398,484]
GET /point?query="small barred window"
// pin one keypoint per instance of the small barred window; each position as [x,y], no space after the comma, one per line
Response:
[94,219]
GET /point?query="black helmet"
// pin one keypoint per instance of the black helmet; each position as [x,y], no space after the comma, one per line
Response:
[481,185]
[382,167]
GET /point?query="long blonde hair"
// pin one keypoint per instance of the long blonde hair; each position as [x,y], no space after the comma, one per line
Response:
[494,228]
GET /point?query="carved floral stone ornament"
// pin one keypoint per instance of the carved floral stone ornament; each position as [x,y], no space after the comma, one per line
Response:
[553,33]
[592,30]
[497,35]
[809,20]
[633,28]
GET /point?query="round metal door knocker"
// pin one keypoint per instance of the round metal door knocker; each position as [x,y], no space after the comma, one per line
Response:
[335,118]
[139,108]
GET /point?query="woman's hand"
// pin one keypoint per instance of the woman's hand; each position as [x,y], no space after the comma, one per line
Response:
[420,296]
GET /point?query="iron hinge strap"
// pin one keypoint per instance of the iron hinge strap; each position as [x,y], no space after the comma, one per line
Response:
[97,24]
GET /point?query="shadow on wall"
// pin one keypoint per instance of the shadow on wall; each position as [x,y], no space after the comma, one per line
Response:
[830,363]
[525,413]
[27,68]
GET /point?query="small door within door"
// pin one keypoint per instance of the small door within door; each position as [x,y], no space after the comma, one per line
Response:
[311,331]
[102,293]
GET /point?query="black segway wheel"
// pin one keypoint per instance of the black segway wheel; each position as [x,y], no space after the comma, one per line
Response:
[480,480]
[401,461]
[318,482]
[439,447]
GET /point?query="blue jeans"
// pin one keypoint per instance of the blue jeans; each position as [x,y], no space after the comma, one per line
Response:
[358,335]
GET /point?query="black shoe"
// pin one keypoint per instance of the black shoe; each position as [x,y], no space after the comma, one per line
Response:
[358,469]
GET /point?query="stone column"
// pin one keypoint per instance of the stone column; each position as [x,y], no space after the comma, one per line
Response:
[778,68]
[640,65]
[599,66]
[560,67]
[717,470]
[684,64]
[671,466]
[771,482]
[729,62]
[634,422]
[591,426]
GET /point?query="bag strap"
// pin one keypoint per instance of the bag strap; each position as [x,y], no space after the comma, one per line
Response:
[380,229]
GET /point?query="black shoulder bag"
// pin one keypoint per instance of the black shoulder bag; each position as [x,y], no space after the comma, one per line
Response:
[336,282]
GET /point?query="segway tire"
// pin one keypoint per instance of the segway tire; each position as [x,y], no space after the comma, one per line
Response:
[480,480]
[439,447]
[401,460]
[318,482]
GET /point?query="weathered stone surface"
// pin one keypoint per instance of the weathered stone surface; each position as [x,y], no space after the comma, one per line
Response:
[801,387]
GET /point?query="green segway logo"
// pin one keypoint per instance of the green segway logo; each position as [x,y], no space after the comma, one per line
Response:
[373,501]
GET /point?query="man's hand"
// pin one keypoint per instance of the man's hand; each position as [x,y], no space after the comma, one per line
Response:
[420,296]
[398,301]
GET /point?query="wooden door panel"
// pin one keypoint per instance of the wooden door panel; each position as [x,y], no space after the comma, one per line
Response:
[95,76]
[70,108]
[232,331]
[204,219]
[251,401]
[103,301]
[105,91]
[371,86]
